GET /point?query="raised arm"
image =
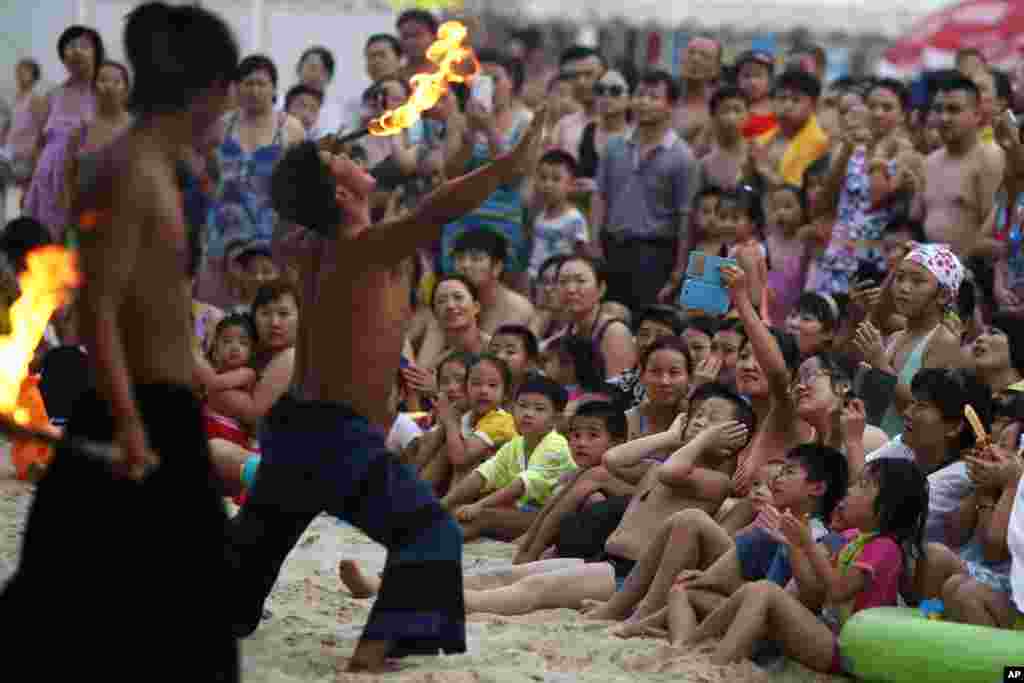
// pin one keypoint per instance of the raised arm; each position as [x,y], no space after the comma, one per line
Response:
[622,460]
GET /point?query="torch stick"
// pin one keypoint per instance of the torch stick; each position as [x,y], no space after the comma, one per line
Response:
[94,450]
[335,142]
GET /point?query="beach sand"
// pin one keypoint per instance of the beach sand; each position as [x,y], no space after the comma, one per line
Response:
[314,623]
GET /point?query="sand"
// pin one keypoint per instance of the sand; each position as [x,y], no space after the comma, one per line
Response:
[314,623]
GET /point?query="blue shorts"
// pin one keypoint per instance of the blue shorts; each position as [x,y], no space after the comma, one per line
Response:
[756,551]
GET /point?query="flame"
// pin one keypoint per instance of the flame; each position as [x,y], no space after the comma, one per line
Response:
[51,272]
[447,52]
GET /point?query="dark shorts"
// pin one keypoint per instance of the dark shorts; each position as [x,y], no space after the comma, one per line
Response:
[756,551]
[322,457]
[133,573]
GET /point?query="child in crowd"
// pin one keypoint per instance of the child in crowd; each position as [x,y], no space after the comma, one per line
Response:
[728,163]
[754,77]
[304,102]
[559,228]
[708,238]
[787,213]
[886,506]
[814,323]
[518,347]
[595,427]
[740,218]
[424,432]
[475,436]
[521,477]
[234,341]
[784,154]
[809,483]
[574,363]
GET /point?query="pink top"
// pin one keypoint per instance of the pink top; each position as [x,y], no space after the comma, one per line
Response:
[569,132]
[24,133]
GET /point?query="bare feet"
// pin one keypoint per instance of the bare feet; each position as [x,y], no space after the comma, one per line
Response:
[596,609]
[638,629]
[370,657]
[358,584]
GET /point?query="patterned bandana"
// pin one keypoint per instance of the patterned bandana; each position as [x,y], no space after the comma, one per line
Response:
[941,262]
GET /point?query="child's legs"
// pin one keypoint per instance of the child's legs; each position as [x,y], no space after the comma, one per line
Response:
[437,471]
[563,588]
[228,459]
[499,578]
[695,542]
[969,601]
[579,491]
[937,565]
[766,610]
[503,523]
[634,588]
[724,576]
[685,609]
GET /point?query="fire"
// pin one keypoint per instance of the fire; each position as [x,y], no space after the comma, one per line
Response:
[447,52]
[51,272]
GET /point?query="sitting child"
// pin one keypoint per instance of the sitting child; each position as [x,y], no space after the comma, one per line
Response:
[473,437]
[594,428]
[522,475]
[232,348]
[517,346]
[578,366]
[887,506]
[418,437]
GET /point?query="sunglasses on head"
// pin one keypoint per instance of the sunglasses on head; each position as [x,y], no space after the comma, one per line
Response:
[609,90]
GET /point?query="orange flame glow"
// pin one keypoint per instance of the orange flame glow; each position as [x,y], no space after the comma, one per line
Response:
[447,52]
[51,272]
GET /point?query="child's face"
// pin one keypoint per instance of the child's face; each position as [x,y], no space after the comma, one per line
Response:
[306,108]
[665,377]
[730,116]
[761,490]
[786,210]
[535,415]
[811,335]
[732,222]
[886,111]
[451,381]
[726,345]
[699,344]
[858,507]
[708,413]
[793,108]
[511,349]
[790,487]
[485,388]
[554,182]
[233,349]
[706,213]
[754,80]
[589,439]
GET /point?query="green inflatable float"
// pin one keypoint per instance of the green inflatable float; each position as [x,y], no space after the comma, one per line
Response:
[897,645]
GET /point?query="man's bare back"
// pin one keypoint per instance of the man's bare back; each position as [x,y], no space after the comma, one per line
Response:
[959,193]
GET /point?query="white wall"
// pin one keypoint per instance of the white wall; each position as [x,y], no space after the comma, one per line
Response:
[278,28]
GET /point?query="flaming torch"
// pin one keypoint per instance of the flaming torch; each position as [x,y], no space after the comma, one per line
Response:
[448,53]
[50,274]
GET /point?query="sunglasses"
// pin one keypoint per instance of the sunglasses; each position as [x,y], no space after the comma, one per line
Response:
[609,90]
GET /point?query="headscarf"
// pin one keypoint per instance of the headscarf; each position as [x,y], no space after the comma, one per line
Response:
[940,261]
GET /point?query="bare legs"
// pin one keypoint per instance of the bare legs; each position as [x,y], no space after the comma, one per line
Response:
[549,590]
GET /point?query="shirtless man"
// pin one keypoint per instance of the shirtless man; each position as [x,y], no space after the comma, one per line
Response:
[320,451]
[480,257]
[962,177]
[697,475]
[702,65]
[151,532]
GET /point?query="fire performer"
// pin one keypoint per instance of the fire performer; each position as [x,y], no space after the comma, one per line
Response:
[119,551]
[320,448]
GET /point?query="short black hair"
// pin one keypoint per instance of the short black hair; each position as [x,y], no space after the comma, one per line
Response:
[819,307]
[419,16]
[503,370]
[33,66]
[77,31]
[596,265]
[747,200]
[254,63]
[168,79]
[325,55]
[487,241]
[677,344]
[529,339]
[951,391]
[612,415]
[243,320]
[902,221]
[251,251]
[760,57]
[470,287]
[576,53]
[656,76]
[727,92]
[824,464]
[701,323]
[897,88]
[543,386]
[742,412]
[663,315]
[798,81]
[551,262]
[395,44]
[559,157]
[586,358]
[21,236]
[298,91]
[275,290]
[958,83]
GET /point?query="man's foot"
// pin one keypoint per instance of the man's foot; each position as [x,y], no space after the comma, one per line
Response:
[358,584]
[370,656]
[602,611]
[637,629]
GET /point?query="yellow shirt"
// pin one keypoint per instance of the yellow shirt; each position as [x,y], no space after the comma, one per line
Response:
[540,471]
[495,429]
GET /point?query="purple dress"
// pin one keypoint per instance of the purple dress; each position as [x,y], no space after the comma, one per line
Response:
[69,109]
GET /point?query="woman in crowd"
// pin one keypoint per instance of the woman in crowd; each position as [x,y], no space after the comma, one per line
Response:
[456,307]
[549,318]
[997,355]
[64,109]
[255,136]
[23,133]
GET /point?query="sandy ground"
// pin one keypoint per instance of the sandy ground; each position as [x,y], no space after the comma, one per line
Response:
[314,624]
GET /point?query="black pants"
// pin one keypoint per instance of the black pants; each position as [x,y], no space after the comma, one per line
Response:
[638,269]
[321,457]
[132,575]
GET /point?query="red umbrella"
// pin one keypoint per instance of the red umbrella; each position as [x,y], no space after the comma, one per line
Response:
[994,27]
